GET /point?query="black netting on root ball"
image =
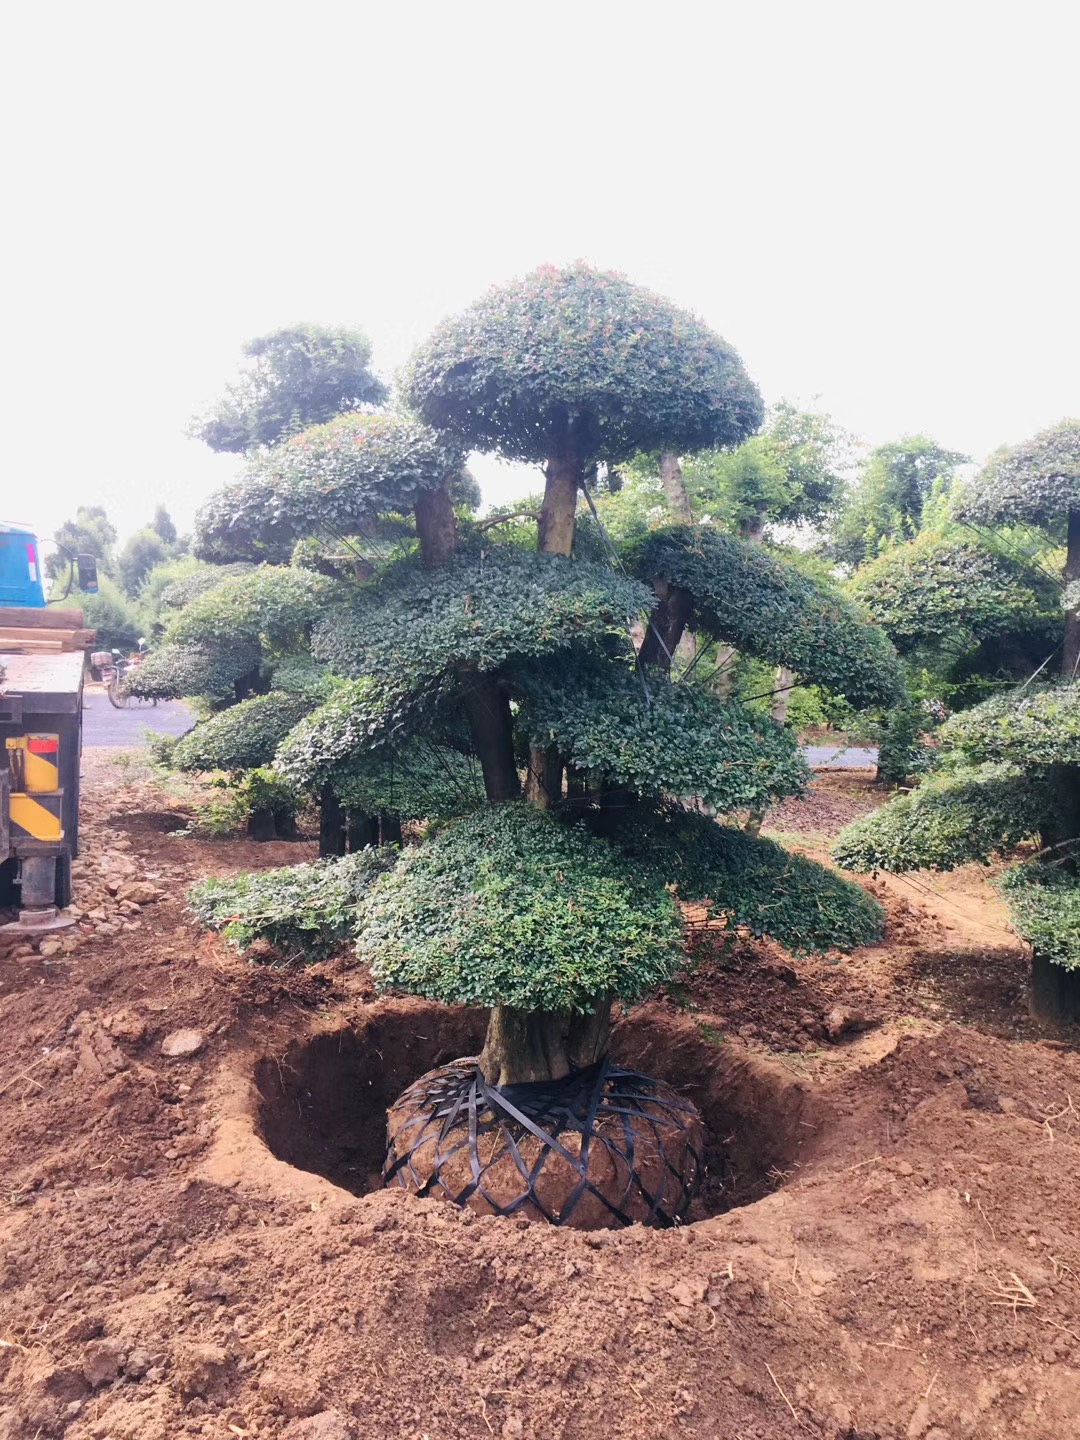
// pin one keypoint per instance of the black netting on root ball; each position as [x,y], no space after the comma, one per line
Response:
[461,1128]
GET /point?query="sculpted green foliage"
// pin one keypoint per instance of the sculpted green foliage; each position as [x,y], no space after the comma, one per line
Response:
[415,627]
[889,498]
[297,376]
[303,912]
[272,606]
[509,906]
[243,737]
[334,479]
[948,821]
[1036,725]
[751,599]
[175,671]
[1044,903]
[755,883]
[937,591]
[1038,481]
[659,738]
[359,717]
[417,781]
[579,361]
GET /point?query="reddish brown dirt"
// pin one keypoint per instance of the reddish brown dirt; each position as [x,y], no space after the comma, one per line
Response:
[910,1272]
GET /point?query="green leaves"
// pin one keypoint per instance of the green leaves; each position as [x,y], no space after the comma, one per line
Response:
[755,883]
[302,911]
[748,598]
[414,627]
[334,479]
[174,672]
[1038,481]
[1036,725]
[948,821]
[1044,904]
[658,738]
[242,737]
[510,907]
[272,605]
[580,362]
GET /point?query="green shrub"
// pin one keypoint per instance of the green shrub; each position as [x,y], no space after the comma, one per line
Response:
[1034,725]
[303,912]
[1044,903]
[242,737]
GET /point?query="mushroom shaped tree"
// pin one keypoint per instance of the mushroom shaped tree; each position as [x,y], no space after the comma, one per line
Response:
[1009,769]
[548,909]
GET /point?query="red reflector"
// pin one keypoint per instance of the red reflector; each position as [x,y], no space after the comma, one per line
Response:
[42,744]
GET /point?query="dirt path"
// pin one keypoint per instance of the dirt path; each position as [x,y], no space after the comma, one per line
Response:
[907,1269]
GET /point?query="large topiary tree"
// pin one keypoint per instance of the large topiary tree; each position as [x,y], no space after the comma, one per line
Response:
[1010,767]
[548,908]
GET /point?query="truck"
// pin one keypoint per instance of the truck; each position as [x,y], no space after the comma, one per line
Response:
[43,651]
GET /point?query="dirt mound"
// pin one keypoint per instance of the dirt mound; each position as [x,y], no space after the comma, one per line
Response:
[905,1267]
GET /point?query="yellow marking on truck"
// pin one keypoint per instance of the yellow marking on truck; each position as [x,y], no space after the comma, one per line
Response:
[33,818]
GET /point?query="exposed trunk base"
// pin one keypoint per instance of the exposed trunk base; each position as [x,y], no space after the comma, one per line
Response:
[555,533]
[543,784]
[488,711]
[331,824]
[524,1046]
[389,828]
[436,526]
[261,824]
[1055,992]
[666,625]
[362,832]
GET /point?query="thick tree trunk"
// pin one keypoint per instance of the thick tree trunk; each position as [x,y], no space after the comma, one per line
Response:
[389,829]
[260,825]
[488,711]
[671,478]
[666,625]
[555,535]
[543,783]
[331,824]
[1070,663]
[362,832]
[285,824]
[1055,991]
[524,1046]
[436,526]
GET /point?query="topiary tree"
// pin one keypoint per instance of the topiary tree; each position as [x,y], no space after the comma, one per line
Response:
[1031,736]
[549,911]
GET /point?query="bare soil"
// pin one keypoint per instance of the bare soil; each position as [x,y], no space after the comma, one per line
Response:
[197,1245]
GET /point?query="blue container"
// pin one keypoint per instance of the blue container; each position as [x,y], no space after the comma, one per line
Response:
[20,568]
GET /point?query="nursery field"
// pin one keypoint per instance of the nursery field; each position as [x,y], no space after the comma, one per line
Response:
[193,1240]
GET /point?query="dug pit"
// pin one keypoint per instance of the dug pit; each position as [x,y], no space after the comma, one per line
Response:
[322,1104]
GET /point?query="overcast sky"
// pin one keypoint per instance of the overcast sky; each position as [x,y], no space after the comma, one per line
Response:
[876,204]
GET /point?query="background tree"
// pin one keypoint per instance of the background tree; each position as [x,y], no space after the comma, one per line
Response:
[138,555]
[90,533]
[162,525]
[887,500]
[295,377]
[1010,767]
[546,912]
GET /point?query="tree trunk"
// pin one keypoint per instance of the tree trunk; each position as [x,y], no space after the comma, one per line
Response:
[555,535]
[331,824]
[362,832]
[488,711]
[543,783]
[524,1046]
[389,829]
[285,824]
[1055,991]
[666,625]
[260,825]
[436,526]
[1070,663]
[671,478]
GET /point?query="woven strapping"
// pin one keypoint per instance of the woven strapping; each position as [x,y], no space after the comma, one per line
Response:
[649,1131]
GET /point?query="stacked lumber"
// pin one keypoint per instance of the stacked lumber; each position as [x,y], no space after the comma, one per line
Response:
[42,631]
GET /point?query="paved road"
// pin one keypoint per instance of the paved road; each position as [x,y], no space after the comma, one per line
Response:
[104,725]
[831,757]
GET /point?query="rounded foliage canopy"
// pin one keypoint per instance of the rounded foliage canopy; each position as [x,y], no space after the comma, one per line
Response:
[948,821]
[243,737]
[746,597]
[1044,903]
[413,627]
[510,907]
[1038,481]
[658,738]
[928,590]
[272,605]
[174,671]
[755,883]
[1038,725]
[580,362]
[332,479]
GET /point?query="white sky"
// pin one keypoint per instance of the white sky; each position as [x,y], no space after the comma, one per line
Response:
[876,204]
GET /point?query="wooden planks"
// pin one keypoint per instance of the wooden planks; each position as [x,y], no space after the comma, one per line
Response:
[22,617]
[16,638]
